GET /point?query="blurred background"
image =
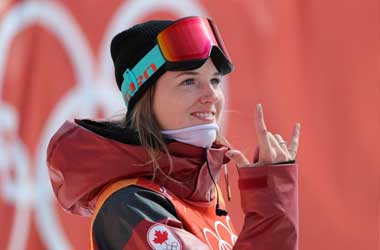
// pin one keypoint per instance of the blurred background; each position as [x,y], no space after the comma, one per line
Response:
[313,62]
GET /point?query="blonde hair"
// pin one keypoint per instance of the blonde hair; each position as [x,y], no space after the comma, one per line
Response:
[143,120]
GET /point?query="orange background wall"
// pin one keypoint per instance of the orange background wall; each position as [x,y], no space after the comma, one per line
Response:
[313,62]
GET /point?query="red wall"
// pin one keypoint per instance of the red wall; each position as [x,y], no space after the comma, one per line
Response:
[313,62]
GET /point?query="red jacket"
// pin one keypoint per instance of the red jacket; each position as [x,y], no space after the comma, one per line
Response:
[83,161]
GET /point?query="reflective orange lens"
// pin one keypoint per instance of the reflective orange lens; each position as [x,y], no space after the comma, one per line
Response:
[189,39]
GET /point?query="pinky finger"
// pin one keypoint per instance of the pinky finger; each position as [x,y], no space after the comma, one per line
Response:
[294,142]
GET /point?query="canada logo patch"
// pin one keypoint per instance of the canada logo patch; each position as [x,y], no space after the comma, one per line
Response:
[161,238]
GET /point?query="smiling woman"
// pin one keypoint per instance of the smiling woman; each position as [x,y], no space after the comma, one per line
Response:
[153,182]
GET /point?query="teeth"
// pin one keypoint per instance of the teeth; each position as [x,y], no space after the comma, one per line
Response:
[204,114]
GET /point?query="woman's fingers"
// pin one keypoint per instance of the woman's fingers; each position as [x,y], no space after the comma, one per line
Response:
[261,128]
[279,153]
[272,148]
[281,142]
[294,141]
[238,157]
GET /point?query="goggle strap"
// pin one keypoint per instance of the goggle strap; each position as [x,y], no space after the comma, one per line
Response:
[142,71]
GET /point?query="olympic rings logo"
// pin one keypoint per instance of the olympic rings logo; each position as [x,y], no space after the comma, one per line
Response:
[219,228]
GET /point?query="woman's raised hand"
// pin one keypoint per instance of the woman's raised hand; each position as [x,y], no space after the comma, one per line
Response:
[272,149]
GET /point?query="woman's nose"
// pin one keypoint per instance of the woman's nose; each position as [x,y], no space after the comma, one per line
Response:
[208,94]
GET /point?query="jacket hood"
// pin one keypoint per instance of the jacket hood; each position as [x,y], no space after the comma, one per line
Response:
[82,160]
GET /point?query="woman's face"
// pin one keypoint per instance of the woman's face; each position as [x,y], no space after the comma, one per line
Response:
[187,98]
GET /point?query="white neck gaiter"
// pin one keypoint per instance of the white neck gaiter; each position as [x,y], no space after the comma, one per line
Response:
[199,135]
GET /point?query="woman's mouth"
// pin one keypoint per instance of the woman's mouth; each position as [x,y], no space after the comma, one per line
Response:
[204,116]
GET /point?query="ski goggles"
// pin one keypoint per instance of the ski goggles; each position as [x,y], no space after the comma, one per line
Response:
[184,45]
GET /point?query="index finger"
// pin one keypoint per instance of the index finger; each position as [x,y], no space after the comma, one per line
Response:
[261,128]
[260,123]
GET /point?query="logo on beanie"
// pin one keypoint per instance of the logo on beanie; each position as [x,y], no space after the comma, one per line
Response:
[141,72]
[134,82]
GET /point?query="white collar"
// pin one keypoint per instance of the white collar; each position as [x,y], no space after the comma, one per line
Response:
[199,135]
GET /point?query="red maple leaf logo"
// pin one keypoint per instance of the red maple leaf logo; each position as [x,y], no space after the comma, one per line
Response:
[160,237]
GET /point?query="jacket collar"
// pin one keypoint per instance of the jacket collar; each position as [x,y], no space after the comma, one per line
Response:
[82,161]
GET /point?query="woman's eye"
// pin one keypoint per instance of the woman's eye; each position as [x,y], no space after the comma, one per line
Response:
[215,81]
[188,82]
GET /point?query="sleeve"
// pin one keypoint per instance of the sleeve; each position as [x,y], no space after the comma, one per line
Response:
[269,196]
[137,218]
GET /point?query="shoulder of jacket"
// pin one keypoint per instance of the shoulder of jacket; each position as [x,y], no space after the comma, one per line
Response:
[135,196]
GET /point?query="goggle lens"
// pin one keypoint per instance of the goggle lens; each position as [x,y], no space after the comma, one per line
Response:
[189,39]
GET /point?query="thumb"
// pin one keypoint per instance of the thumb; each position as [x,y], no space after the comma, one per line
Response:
[238,157]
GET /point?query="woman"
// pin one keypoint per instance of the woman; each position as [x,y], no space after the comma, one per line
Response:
[149,182]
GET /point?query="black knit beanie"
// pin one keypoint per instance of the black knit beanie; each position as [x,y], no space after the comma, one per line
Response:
[130,46]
